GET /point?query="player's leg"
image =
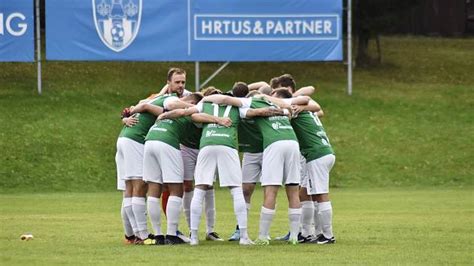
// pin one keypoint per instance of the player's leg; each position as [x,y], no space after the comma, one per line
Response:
[127,206]
[294,211]
[272,179]
[134,156]
[251,172]
[139,207]
[230,176]
[204,177]
[307,206]
[152,179]
[189,156]
[210,210]
[267,212]
[154,209]
[292,177]
[129,228]
[168,159]
[320,169]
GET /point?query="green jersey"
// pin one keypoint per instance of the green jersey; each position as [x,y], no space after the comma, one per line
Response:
[169,131]
[192,136]
[313,141]
[250,137]
[273,128]
[215,134]
[138,131]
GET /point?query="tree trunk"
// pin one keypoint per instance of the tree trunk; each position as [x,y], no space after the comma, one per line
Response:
[362,58]
[379,50]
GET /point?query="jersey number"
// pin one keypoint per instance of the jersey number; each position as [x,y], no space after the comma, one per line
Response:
[226,112]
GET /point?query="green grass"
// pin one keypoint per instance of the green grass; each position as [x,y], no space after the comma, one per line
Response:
[409,122]
[372,226]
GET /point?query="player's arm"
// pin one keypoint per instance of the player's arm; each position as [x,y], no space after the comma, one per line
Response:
[208,119]
[178,104]
[177,113]
[148,108]
[129,121]
[283,103]
[320,113]
[223,99]
[266,111]
[307,91]
[257,85]
[312,107]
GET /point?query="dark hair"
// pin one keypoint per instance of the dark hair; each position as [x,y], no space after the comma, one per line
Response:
[286,80]
[175,70]
[240,89]
[282,93]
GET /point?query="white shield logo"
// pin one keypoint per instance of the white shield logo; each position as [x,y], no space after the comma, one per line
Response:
[117,21]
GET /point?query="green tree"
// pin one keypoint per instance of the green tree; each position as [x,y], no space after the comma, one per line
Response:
[373,17]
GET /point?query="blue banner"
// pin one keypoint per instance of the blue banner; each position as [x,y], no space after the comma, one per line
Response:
[194,30]
[16,31]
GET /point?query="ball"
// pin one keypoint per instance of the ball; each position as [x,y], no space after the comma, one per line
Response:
[117,33]
[26,237]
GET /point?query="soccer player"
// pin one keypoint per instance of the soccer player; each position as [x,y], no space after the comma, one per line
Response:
[190,151]
[279,166]
[129,158]
[320,159]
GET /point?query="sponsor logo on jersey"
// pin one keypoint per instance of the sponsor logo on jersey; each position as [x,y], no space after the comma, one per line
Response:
[213,133]
[278,125]
[117,22]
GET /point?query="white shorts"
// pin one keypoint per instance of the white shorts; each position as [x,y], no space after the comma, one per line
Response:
[251,167]
[162,163]
[221,159]
[189,161]
[303,171]
[318,174]
[129,159]
[281,163]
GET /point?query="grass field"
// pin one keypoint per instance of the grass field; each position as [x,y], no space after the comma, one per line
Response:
[372,226]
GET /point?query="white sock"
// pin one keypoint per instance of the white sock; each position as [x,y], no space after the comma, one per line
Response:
[240,210]
[294,216]
[139,210]
[266,218]
[154,212]
[187,197]
[317,223]
[325,216]
[172,214]
[127,207]
[194,235]
[210,206]
[307,213]
[196,208]
[127,226]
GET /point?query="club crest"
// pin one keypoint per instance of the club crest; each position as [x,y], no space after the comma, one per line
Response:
[117,21]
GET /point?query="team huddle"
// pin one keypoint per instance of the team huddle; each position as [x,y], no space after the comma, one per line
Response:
[174,137]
